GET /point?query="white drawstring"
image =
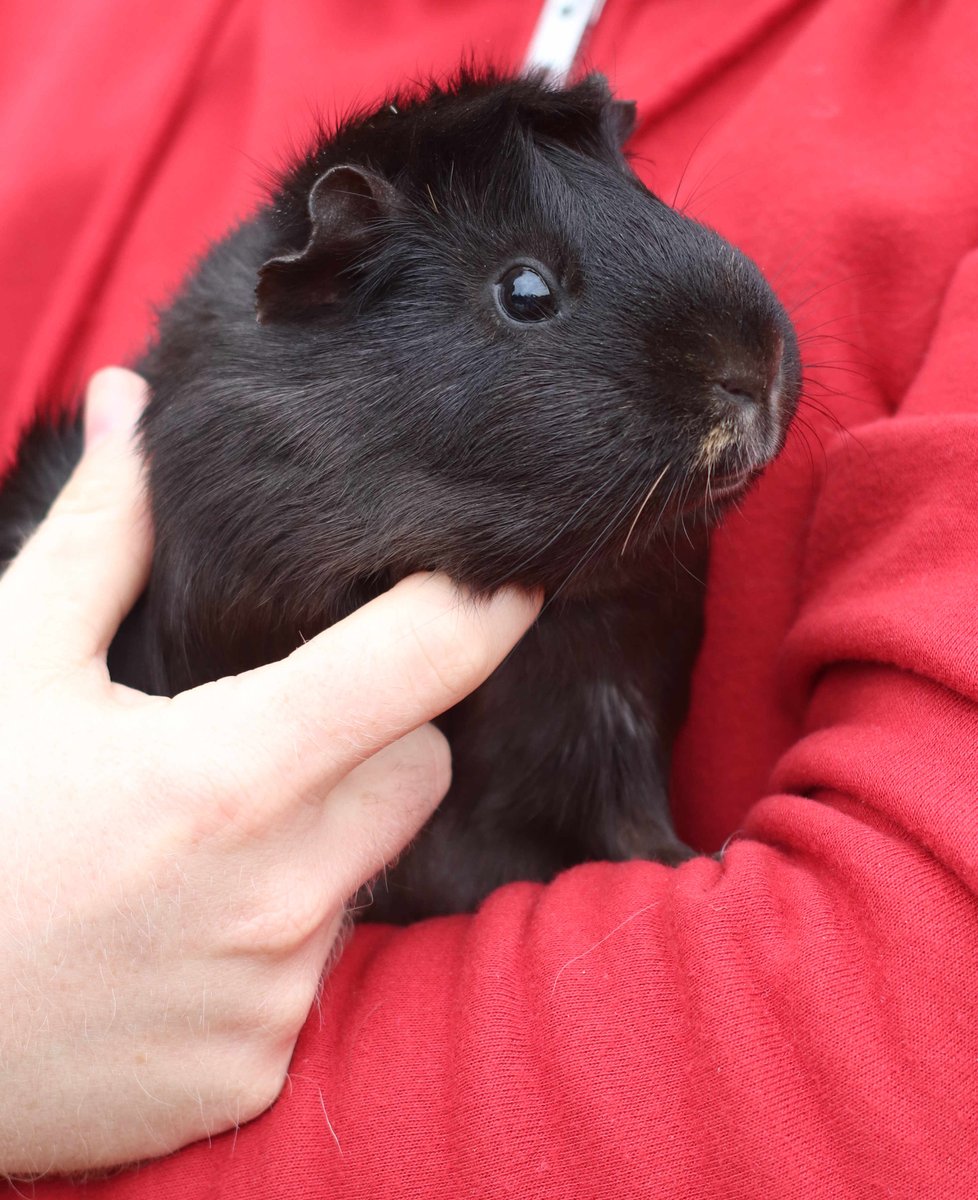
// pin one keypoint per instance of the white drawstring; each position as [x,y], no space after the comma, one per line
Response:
[557,38]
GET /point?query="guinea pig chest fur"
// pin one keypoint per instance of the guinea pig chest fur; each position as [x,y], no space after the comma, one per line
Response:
[462,336]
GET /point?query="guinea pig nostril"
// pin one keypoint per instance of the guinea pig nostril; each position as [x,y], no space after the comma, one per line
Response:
[742,390]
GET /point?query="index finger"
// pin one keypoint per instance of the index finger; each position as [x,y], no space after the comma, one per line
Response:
[393,665]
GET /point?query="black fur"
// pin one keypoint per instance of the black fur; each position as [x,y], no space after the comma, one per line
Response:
[383,415]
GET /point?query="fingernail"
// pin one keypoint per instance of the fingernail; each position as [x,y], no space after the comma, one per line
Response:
[113,402]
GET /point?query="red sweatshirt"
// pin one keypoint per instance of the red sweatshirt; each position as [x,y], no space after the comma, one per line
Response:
[799,1018]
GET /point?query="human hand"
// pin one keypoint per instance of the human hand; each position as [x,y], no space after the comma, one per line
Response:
[176,870]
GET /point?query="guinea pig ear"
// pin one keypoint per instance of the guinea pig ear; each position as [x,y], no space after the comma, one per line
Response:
[345,205]
[588,113]
[620,119]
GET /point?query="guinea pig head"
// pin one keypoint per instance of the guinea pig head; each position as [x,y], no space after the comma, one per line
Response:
[483,346]
[540,341]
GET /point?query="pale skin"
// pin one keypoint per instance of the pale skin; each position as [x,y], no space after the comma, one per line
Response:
[176,871]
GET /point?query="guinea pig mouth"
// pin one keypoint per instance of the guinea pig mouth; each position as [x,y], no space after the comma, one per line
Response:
[728,487]
[713,491]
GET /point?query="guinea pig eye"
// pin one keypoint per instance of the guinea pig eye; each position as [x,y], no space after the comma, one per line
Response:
[524,295]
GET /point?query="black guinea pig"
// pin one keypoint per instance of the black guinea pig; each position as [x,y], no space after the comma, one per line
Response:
[462,336]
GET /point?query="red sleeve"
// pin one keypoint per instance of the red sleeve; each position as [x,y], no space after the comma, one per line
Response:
[797,1018]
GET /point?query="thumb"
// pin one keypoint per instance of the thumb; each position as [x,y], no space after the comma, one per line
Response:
[66,593]
[114,403]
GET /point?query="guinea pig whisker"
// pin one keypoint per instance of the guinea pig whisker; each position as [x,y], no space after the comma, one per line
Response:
[602,538]
[664,507]
[684,491]
[642,506]
[841,430]
[789,268]
[689,162]
[792,312]
[708,502]
[687,487]
[811,402]
[700,193]
[803,432]
[537,551]
[813,335]
[837,365]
